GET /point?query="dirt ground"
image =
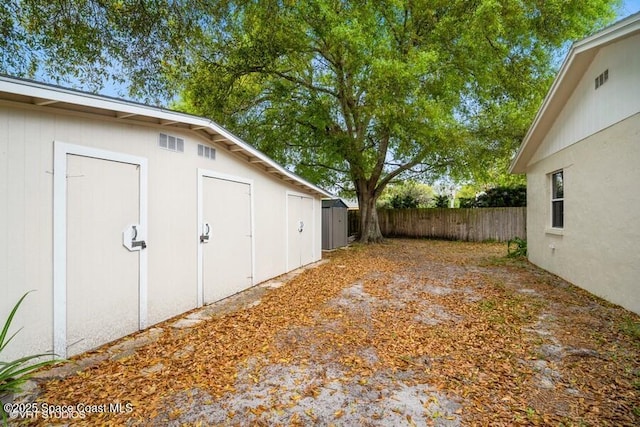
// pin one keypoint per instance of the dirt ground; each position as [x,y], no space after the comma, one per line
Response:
[410,332]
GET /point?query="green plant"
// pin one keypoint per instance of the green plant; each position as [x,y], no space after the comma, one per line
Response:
[516,247]
[631,328]
[441,201]
[503,197]
[487,305]
[16,372]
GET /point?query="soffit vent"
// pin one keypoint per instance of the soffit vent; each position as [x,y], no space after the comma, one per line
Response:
[171,143]
[602,78]
[206,151]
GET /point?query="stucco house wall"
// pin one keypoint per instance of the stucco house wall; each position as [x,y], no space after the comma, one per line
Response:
[592,135]
[598,247]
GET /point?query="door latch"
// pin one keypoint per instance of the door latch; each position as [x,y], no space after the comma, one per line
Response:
[206,231]
[130,238]
[300,226]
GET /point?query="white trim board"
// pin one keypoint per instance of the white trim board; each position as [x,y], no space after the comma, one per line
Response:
[206,173]
[61,150]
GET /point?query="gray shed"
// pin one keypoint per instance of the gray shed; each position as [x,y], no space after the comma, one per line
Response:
[334,224]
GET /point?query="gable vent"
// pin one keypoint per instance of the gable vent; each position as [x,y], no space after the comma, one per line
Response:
[206,151]
[171,143]
[602,78]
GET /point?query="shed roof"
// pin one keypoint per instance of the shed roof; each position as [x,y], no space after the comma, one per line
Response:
[333,203]
[573,68]
[22,92]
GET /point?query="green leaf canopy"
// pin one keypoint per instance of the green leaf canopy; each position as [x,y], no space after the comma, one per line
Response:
[349,94]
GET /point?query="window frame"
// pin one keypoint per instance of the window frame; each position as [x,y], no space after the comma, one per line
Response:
[557,198]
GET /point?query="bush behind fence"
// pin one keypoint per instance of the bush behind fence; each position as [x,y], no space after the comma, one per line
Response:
[474,225]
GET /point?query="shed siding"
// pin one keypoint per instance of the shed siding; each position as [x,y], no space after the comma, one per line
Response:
[597,249]
[26,182]
[588,110]
[26,248]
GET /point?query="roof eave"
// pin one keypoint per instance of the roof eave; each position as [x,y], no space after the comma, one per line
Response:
[576,62]
[49,96]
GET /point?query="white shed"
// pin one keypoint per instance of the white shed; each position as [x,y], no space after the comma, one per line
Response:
[582,160]
[122,215]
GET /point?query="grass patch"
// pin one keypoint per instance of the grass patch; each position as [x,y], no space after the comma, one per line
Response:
[487,305]
[490,241]
[631,328]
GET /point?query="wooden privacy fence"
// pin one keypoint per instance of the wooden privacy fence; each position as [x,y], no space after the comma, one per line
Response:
[475,224]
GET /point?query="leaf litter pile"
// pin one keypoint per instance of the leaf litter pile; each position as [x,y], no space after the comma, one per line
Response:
[409,332]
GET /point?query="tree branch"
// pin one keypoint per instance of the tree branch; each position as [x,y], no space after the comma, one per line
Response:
[416,161]
[322,165]
[302,83]
[385,138]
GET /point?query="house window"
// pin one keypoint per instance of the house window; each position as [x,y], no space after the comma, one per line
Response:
[172,143]
[557,199]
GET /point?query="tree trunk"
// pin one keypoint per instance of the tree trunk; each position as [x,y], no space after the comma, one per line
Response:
[369,227]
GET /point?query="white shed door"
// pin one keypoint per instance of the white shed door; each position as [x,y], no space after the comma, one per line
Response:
[102,275]
[306,237]
[227,259]
[300,230]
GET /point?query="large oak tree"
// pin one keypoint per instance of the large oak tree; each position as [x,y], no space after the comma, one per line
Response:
[351,94]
